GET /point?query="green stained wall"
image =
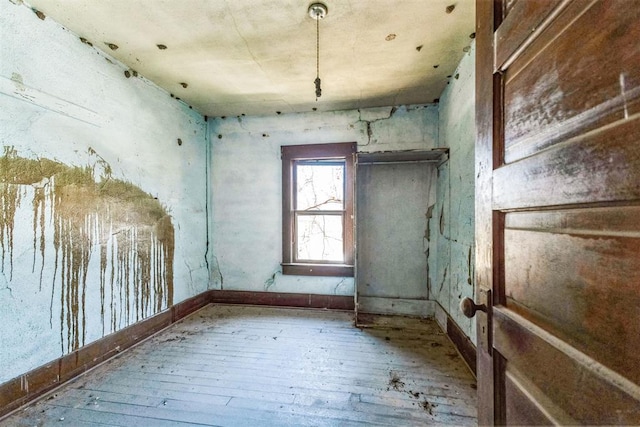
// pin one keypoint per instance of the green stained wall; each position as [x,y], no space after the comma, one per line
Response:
[91,238]
[247,189]
[103,214]
[451,254]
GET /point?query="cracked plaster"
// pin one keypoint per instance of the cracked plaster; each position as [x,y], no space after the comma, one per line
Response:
[62,98]
[246,176]
[451,265]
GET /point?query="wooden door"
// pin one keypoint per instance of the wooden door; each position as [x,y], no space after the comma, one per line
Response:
[558,211]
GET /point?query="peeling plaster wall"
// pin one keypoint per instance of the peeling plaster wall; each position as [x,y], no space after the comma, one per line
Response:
[451,261]
[102,194]
[392,201]
[247,181]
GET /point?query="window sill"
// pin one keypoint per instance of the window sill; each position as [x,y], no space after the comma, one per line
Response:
[336,270]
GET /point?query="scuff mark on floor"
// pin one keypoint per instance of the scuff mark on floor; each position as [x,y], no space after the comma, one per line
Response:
[395,382]
[428,406]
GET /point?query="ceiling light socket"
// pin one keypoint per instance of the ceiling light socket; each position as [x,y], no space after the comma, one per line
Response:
[318,11]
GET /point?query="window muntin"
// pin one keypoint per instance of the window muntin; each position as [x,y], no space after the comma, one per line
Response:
[320,184]
[318,209]
[319,238]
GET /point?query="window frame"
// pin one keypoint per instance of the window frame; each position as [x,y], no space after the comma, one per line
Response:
[309,152]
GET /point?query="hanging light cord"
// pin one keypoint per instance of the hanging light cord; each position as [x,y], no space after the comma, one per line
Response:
[317,81]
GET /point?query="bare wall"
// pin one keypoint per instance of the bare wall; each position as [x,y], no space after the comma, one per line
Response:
[392,247]
[247,194]
[451,261]
[102,194]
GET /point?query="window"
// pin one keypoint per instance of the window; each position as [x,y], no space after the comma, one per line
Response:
[317,209]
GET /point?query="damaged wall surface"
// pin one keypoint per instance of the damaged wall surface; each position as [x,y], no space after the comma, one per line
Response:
[111,192]
[451,260]
[246,176]
[392,237]
[102,194]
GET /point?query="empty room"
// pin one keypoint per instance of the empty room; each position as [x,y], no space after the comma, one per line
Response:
[228,213]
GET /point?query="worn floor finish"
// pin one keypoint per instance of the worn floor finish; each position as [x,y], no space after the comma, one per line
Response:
[257,366]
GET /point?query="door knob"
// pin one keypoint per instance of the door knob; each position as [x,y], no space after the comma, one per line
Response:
[469,308]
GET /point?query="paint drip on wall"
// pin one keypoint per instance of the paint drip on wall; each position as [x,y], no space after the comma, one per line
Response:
[91,234]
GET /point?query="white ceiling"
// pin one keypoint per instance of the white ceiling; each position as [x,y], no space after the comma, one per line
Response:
[258,57]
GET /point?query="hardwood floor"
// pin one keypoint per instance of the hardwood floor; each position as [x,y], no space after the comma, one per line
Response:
[257,366]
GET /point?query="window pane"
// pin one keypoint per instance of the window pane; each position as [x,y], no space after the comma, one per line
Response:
[319,238]
[320,185]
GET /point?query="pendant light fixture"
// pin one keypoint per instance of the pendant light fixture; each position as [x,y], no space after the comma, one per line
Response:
[318,11]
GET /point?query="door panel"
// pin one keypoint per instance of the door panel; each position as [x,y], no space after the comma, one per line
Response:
[595,278]
[600,166]
[551,91]
[565,382]
[523,407]
[509,4]
[558,211]
[521,19]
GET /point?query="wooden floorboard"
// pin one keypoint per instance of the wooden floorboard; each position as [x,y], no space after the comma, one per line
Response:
[261,366]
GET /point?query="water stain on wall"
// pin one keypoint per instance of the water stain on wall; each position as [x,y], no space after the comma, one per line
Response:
[80,213]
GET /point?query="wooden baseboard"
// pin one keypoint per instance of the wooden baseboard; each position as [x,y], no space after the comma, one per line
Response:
[333,302]
[396,306]
[190,305]
[27,387]
[463,343]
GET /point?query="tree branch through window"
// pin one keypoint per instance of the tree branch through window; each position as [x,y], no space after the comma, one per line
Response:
[318,209]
